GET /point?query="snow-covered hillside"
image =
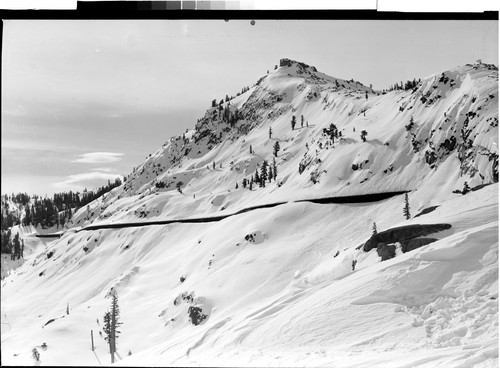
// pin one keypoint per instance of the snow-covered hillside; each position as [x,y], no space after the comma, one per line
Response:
[291,285]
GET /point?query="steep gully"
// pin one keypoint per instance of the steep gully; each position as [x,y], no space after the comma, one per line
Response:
[362,198]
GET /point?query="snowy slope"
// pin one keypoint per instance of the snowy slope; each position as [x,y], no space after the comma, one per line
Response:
[453,139]
[277,285]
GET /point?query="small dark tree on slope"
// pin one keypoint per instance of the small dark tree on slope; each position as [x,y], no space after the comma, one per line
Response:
[406,208]
[250,186]
[466,188]
[263,174]
[35,354]
[270,132]
[364,133]
[301,121]
[275,169]
[257,177]
[179,185]
[276,148]
[111,324]
[374,228]
[293,122]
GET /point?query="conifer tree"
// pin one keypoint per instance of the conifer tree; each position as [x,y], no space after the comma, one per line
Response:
[16,251]
[270,173]
[236,187]
[275,169]
[35,355]
[257,177]
[374,229]
[251,149]
[270,132]
[276,148]
[364,133]
[301,121]
[263,174]
[406,208]
[111,324]
[244,183]
[293,122]
[179,185]
[250,186]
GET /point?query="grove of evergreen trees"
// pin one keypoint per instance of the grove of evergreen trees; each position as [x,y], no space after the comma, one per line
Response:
[45,212]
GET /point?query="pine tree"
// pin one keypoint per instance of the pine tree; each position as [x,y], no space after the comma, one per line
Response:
[276,148]
[466,188]
[301,121]
[16,251]
[364,133]
[111,324]
[293,122]
[250,186]
[257,177]
[270,132]
[179,185]
[406,208]
[236,187]
[251,149]
[244,183]
[263,174]
[35,355]
[270,173]
[275,169]
[374,229]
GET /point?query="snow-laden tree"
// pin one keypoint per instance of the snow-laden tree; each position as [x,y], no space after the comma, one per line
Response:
[111,324]
[406,208]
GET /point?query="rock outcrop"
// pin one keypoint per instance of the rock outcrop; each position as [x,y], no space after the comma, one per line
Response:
[404,234]
[386,251]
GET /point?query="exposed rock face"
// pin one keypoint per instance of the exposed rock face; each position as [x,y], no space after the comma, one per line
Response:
[288,62]
[402,234]
[412,244]
[386,251]
[285,62]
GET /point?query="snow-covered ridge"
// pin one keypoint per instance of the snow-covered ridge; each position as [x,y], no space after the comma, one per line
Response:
[446,127]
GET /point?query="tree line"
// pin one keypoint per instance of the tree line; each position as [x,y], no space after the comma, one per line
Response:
[47,212]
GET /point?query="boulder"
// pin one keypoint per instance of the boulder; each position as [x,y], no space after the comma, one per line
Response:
[402,234]
[412,244]
[386,251]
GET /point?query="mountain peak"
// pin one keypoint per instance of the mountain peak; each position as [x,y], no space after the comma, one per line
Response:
[289,62]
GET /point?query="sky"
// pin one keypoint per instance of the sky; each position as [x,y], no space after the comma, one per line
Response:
[85,101]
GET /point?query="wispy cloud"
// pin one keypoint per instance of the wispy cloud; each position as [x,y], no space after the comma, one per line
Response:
[88,180]
[99,157]
[104,169]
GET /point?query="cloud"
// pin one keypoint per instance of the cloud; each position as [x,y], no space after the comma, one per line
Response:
[99,157]
[90,180]
[103,169]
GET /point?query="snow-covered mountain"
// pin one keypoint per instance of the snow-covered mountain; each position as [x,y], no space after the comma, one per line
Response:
[295,284]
